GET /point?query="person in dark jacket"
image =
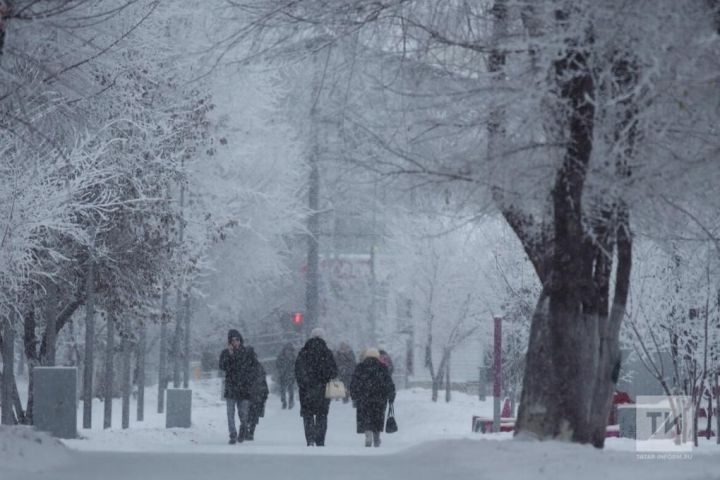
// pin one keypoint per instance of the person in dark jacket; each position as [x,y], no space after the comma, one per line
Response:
[314,368]
[285,366]
[371,389]
[239,369]
[258,395]
[345,360]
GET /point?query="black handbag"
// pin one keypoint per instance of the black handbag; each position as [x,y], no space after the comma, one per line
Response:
[391,424]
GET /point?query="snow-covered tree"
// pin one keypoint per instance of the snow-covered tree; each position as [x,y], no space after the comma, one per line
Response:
[561,114]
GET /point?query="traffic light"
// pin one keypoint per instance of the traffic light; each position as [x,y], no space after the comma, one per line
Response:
[297,319]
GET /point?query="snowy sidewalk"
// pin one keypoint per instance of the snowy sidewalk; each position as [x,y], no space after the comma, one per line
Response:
[449,459]
[434,442]
[280,431]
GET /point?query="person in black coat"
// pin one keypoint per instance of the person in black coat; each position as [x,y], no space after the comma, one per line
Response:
[258,395]
[345,360]
[285,366]
[240,370]
[314,368]
[371,389]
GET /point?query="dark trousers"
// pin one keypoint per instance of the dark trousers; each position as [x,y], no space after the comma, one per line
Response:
[315,429]
[289,389]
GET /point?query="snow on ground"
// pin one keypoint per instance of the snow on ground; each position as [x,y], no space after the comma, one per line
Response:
[281,431]
[434,441]
[24,449]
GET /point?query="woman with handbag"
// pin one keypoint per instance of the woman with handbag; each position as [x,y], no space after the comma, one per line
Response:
[371,389]
[314,368]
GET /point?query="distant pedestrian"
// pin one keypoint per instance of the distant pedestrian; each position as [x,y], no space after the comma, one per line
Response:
[285,368]
[239,369]
[386,360]
[314,368]
[371,389]
[345,360]
[258,395]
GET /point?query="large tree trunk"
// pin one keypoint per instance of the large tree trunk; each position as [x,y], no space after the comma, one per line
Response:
[573,357]
[609,331]
[562,355]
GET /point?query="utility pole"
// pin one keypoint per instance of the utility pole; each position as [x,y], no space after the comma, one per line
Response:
[186,363]
[497,381]
[312,278]
[89,364]
[177,357]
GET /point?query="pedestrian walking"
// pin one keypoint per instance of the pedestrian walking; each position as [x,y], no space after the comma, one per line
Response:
[239,371]
[314,368]
[371,389]
[345,360]
[285,368]
[258,395]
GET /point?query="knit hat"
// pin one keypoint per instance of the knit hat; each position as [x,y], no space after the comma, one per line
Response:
[371,353]
[317,332]
[232,333]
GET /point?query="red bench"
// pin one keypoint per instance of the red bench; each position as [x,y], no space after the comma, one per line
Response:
[507,422]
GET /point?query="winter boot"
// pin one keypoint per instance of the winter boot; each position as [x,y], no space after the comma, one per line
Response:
[368,438]
[232,441]
[376,438]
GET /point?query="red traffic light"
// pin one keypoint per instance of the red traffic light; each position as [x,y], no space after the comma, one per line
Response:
[297,318]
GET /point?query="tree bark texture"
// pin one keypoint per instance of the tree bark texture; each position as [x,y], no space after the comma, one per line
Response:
[573,356]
